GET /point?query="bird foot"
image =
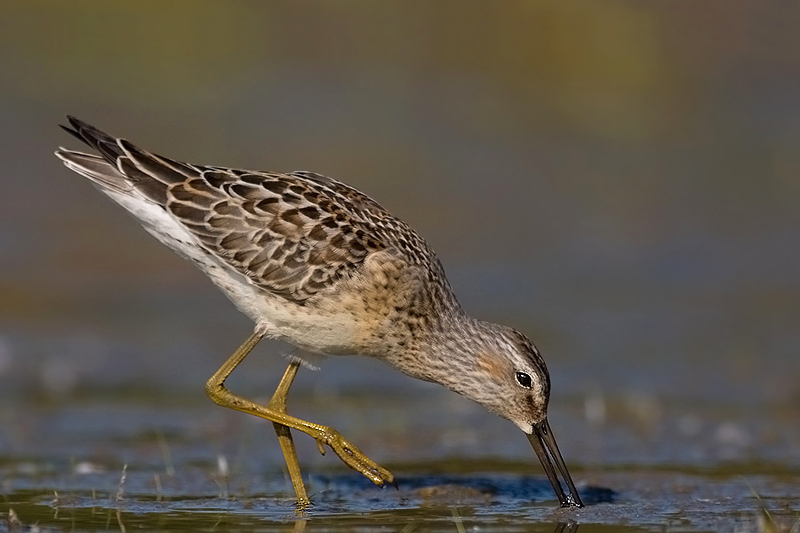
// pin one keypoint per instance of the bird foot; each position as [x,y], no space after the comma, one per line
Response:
[352,456]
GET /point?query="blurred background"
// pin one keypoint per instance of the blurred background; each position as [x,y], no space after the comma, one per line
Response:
[619,180]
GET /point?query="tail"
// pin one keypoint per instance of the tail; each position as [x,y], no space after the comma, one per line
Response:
[101,142]
[122,167]
[101,169]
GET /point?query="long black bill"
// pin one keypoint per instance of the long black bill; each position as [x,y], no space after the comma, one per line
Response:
[544,444]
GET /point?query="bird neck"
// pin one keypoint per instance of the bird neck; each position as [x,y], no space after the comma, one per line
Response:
[451,351]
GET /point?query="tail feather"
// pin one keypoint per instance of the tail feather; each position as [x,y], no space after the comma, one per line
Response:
[102,142]
[96,168]
[72,132]
[121,165]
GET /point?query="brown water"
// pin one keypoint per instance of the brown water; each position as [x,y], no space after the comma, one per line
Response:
[619,180]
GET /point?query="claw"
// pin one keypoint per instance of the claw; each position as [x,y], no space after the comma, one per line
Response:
[321,446]
[391,483]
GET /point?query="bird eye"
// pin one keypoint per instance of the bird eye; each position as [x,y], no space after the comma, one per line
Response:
[524,380]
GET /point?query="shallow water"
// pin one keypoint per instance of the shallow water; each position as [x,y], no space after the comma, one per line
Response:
[120,461]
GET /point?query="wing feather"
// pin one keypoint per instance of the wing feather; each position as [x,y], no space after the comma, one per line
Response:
[293,234]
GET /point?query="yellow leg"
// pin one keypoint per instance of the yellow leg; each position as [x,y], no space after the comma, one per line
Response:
[278,404]
[276,413]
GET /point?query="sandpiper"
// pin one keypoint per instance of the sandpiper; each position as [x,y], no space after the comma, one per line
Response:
[319,264]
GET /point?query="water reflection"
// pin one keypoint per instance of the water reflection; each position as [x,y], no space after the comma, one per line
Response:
[566,527]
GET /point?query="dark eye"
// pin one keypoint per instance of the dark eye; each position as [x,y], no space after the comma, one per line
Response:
[524,380]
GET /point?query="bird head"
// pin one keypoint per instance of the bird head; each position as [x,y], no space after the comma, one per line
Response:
[502,370]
